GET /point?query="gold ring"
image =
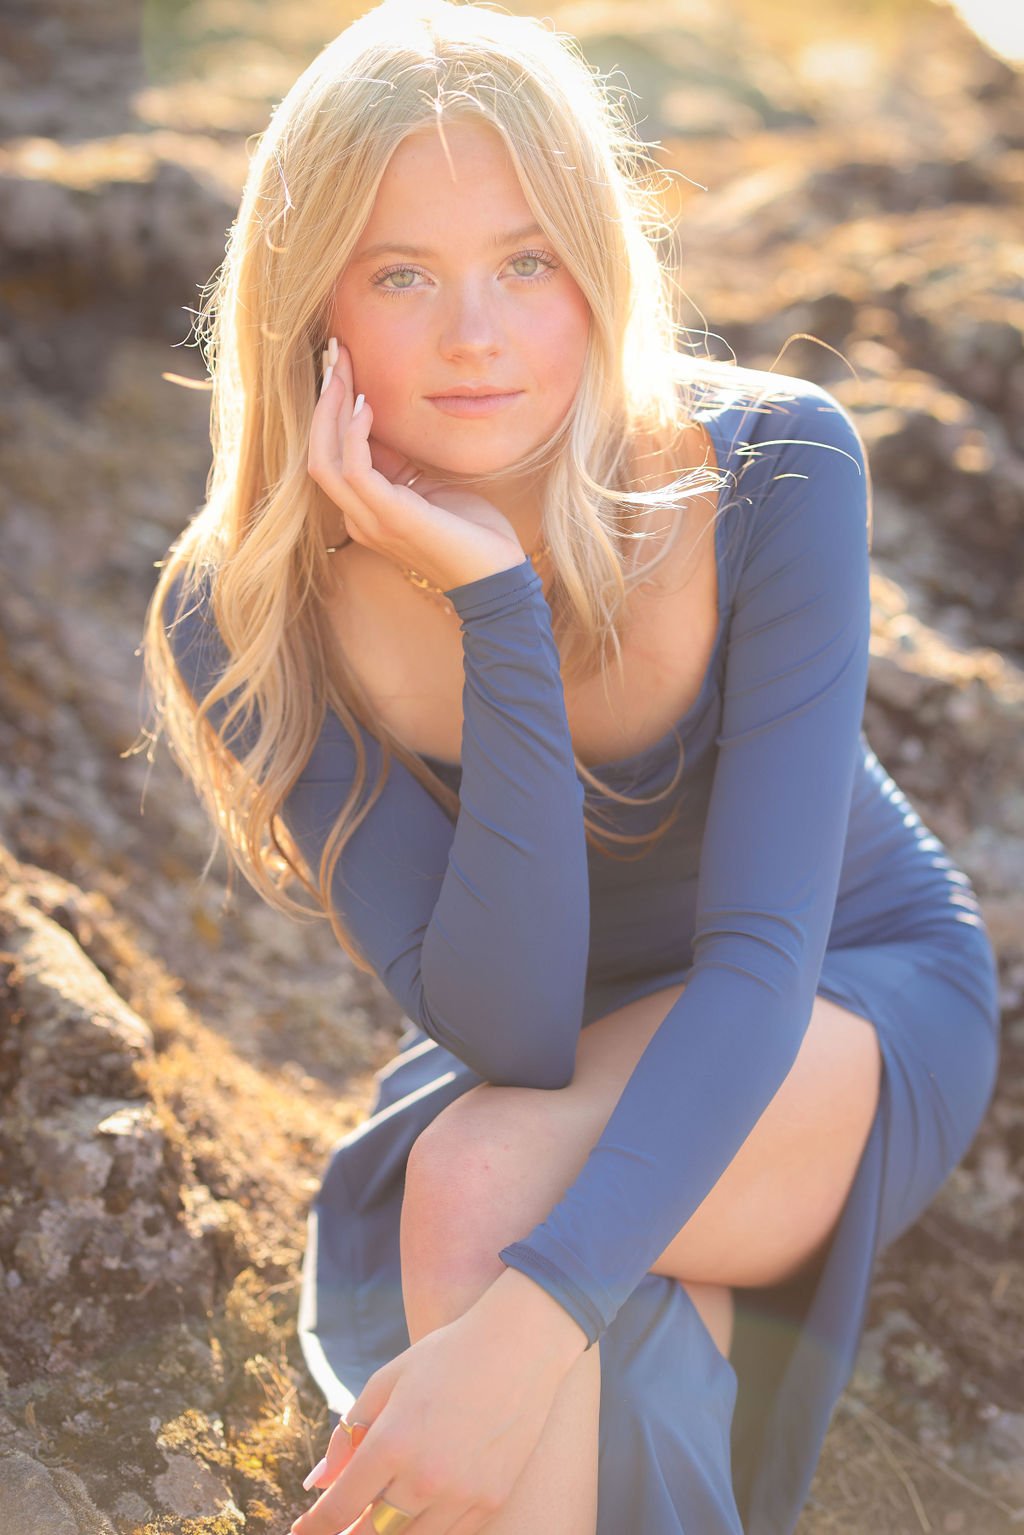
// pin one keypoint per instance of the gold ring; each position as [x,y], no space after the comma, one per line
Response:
[387,1519]
[350,1429]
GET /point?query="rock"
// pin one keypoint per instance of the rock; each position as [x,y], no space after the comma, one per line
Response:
[189,1488]
[898,687]
[43,1500]
[997,1454]
[66,1162]
[870,1368]
[986,1196]
[68,67]
[79,1034]
[89,1519]
[126,224]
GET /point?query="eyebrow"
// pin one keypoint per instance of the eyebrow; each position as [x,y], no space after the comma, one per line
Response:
[496,242]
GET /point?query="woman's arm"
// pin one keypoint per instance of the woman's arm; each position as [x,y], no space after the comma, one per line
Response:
[480,930]
[795,683]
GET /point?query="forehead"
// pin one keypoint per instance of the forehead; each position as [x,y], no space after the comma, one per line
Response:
[445,137]
[468,167]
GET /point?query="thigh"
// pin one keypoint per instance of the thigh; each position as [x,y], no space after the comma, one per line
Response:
[775,1205]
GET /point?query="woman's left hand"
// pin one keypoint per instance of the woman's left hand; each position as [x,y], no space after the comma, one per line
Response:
[452,1422]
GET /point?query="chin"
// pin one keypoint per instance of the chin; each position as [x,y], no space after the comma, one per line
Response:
[470,465]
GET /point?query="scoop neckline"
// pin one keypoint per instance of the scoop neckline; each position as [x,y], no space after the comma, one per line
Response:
[618,764]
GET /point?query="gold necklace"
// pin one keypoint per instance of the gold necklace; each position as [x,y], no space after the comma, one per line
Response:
[414,577]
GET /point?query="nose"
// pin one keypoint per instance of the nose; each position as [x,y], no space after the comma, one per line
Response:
[471,325]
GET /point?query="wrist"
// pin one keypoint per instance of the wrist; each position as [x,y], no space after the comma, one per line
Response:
[481,572]
[539,1323]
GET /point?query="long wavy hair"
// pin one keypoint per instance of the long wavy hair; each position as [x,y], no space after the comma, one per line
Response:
[255,550]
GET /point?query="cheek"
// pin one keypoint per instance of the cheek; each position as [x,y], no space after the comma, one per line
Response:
[563,334]
[360,325]
[381,364]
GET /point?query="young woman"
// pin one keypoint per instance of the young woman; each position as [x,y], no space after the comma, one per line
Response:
[701,1014]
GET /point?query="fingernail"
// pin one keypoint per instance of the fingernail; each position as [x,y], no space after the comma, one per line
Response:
[332,350]
[316,1473]
[357,407]
[327,378]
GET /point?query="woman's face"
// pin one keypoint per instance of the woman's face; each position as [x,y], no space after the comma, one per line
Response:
[484,299]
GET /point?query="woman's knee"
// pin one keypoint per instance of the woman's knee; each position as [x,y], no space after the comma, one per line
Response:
[471,1175]
[490,1133]
[466,1141]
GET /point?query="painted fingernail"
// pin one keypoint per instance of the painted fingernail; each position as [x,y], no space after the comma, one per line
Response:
[316,1473]
[327,379]
[332,350]
[357,407]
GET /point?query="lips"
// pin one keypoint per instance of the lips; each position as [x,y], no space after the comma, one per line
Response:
[468,405]
[471,392]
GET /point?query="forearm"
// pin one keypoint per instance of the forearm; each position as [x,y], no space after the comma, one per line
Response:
[504,957]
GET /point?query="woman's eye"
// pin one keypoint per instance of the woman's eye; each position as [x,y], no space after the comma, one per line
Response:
[394,272]
[535,256]
[548,266]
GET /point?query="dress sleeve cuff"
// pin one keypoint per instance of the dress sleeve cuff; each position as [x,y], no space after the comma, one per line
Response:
[556,1282]
[496,592]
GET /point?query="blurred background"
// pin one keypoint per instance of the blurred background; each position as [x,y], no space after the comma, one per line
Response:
[846,191]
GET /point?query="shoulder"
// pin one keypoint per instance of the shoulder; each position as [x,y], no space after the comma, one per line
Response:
[798,477]
[757,411]
[785,441]
[808,416]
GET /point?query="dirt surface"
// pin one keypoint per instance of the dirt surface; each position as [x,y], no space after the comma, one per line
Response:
[174,1070]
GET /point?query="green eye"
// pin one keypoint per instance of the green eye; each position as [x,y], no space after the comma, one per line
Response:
[380,279]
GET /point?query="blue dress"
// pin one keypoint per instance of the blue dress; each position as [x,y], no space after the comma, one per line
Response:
[794,867]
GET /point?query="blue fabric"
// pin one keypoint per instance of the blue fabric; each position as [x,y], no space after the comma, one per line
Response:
[795,866]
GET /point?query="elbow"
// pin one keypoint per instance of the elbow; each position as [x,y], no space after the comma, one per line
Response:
[515,1074]
[551,1075]
[505,1054]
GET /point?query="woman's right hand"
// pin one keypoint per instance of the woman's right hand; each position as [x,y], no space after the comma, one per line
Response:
[449,535]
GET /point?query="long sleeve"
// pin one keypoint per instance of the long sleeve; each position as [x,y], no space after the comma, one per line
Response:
[771,854]
[479,930]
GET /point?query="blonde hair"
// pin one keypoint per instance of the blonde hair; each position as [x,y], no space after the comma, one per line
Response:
[257,542]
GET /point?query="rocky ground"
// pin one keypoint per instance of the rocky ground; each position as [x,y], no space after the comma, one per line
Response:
[174,1069]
